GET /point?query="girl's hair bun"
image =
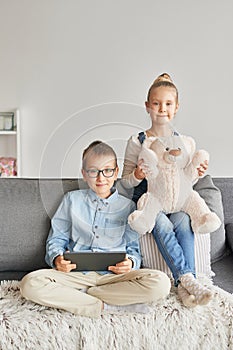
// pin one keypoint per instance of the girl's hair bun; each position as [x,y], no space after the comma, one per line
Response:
[163,77]
[163,80]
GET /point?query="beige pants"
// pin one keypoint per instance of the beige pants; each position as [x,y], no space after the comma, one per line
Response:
[62,290]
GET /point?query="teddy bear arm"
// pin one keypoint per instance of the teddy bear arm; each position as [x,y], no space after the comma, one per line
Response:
[199,157]
[150,161]
[191,173]
[142,220]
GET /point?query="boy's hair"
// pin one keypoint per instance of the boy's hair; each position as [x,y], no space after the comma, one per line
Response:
[163,79]
[98,148]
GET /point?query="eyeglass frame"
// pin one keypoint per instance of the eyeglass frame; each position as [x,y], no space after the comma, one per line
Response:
[98,171]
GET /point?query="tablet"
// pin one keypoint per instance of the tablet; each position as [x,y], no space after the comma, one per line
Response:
[94,261]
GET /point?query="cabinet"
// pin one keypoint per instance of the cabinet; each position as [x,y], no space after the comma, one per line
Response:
[10,138]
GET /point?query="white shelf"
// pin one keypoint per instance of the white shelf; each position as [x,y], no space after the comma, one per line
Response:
[4,132]
[10,140]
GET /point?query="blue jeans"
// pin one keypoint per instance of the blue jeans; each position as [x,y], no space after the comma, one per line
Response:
[175,240]
[174,237]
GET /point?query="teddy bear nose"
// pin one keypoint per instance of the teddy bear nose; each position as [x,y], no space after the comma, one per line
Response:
[175,152]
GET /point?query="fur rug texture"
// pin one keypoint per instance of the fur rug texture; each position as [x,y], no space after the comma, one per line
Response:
[25,325]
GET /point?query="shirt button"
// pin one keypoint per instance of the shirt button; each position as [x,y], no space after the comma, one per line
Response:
[96,236]
[96,226]
[99,209]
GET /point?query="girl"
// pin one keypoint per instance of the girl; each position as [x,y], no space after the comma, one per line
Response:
[172,233]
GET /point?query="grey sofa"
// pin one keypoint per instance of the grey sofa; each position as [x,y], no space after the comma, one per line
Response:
[26,206]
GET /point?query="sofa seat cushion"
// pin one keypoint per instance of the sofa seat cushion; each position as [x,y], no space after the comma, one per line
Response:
[213,198]
[229,234]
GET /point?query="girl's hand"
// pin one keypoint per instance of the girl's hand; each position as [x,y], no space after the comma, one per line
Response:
[141,171]
[122,267]
[202,168]
[63,265]
[139,174]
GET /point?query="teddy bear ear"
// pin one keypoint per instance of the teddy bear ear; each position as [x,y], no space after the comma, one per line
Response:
[147,143]
[157,146]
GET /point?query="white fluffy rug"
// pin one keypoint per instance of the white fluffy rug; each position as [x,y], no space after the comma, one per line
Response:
[25,325]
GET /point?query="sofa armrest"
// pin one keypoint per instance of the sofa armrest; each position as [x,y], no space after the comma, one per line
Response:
[229,234]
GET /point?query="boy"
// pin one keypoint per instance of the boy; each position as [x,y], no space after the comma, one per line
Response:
[95,219]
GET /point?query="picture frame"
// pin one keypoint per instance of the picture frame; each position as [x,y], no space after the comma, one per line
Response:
[6,121]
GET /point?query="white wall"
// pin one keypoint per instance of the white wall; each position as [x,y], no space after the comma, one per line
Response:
[80,70]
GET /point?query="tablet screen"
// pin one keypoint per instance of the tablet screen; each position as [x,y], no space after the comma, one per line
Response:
[94,261]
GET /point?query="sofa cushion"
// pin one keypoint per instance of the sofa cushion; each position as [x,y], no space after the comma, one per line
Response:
[25,228]
[225,184]
[212,196]
[229,234]
[26,207]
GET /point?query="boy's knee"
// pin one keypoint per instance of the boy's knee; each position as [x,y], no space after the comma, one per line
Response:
[30,283]
[165,284]
[159,285]
[25,286]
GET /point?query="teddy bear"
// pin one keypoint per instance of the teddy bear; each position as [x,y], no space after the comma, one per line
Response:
[172,164]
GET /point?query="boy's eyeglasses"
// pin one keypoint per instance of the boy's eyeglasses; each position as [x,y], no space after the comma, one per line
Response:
[93,173]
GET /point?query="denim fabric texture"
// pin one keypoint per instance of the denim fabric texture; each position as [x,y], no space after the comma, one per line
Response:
[175,240]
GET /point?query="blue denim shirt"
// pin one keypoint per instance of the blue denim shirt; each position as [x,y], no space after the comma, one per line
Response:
[83,221]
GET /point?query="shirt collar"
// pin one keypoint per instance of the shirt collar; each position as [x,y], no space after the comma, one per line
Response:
[94,198]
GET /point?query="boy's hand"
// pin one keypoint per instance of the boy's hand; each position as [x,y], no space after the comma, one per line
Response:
[122,267]
[63,265]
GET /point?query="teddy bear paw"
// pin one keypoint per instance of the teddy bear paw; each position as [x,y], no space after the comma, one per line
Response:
[209,223]
[138,223]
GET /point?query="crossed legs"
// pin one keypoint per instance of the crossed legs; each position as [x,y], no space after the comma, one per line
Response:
[64,290]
